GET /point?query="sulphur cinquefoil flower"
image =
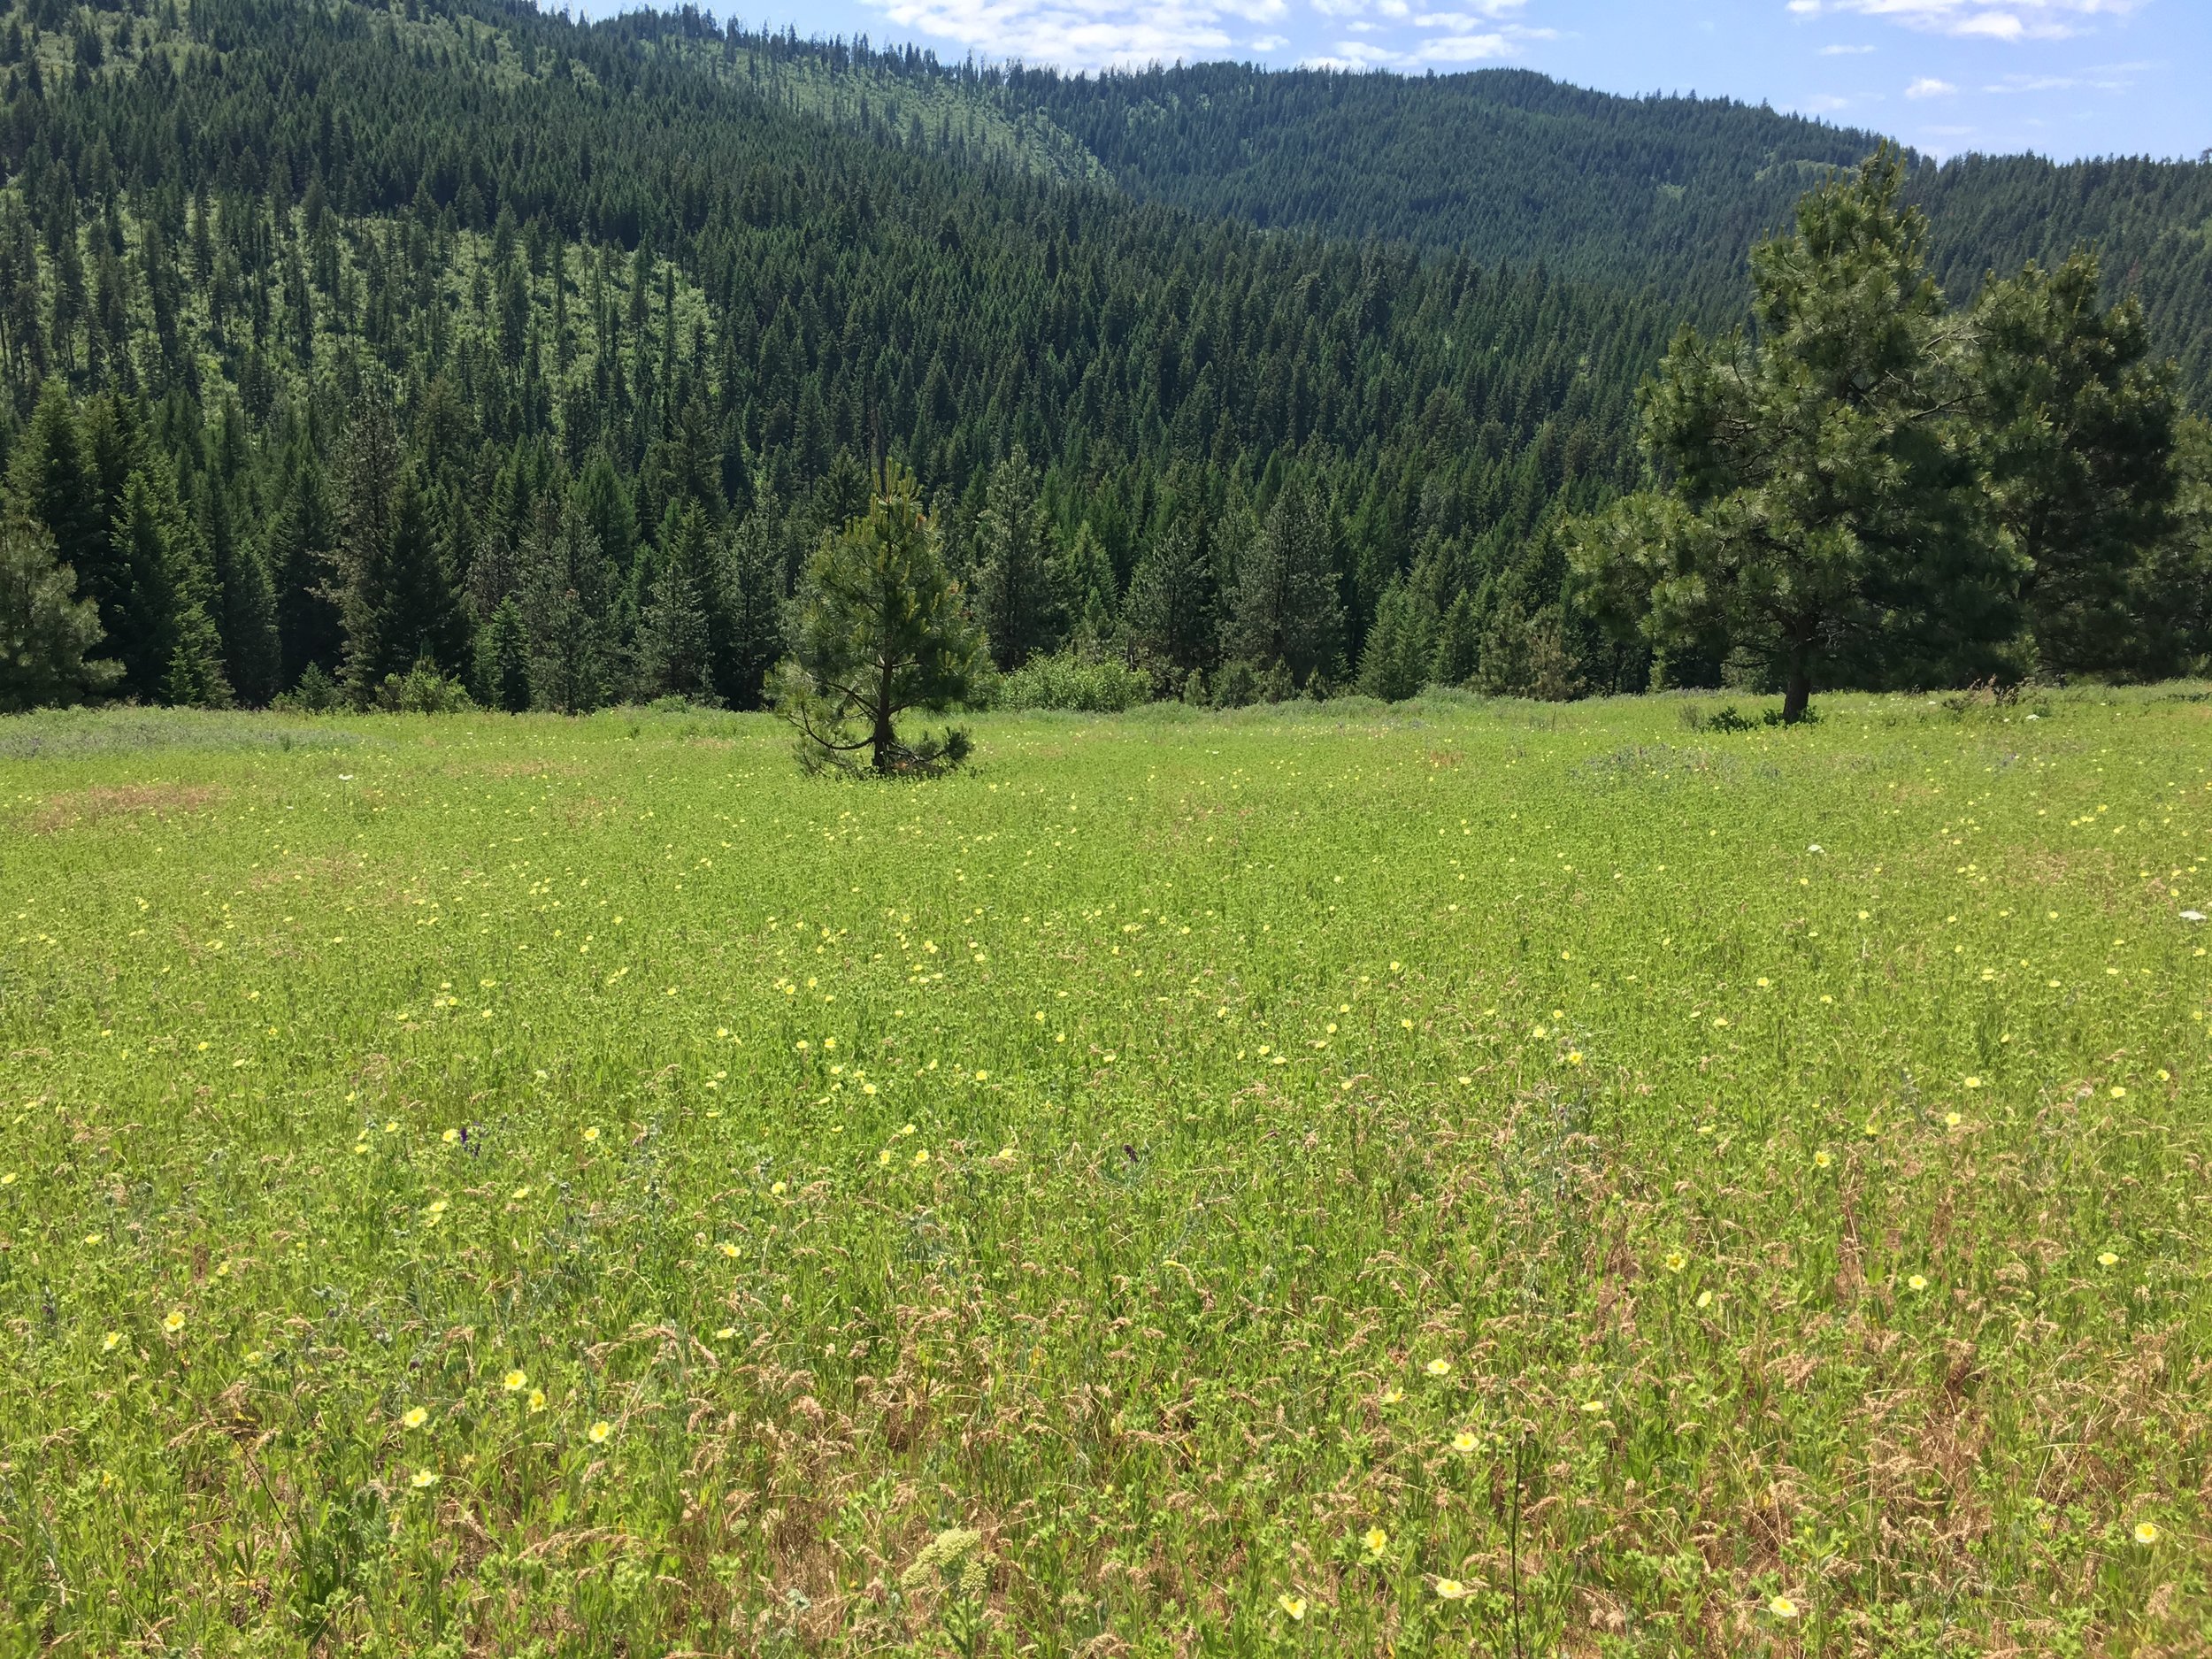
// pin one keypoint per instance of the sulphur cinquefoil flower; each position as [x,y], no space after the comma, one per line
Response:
[1450,1589]
[1782,1607]
[415,1418]
[598,1432]
[1438,1368]
[173,1322]
[1293,1605]
[514,1381]
[1376,1540]
[2146,1532]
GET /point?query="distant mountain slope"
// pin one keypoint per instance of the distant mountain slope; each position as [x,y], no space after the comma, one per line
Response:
[1662,193]
[1503,164]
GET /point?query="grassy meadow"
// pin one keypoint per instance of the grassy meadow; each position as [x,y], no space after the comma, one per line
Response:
[1459,1177]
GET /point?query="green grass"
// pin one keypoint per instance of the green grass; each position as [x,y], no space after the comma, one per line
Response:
[1075,1201]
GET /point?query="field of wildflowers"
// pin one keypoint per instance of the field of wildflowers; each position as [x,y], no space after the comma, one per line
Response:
[1457,1177]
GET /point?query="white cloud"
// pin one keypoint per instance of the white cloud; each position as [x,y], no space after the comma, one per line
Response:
[1269,43]
[1845,51]
[1826,104]
[1466,48]
[1358,55]
[1929,87]
[1087,33]
[1991,19]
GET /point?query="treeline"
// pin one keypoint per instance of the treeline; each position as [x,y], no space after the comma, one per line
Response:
[592,288]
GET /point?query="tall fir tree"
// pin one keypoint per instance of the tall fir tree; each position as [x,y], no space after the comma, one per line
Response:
[244,603]
[303,545]
[754,603]
[676,636]
[1017,598]
[1172,611]
[1394,665]
[502,680]
[565,588]
[53,478]
[1287,611]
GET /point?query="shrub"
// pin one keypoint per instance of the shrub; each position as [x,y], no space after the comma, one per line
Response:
[315,694]
[1071,680]
[424,689]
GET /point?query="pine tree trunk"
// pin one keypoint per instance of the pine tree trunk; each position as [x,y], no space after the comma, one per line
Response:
[881,738]
[1797,694]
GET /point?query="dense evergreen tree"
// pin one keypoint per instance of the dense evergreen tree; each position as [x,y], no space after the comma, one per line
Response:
[1172,609]
[1018,579]
[244,604]
[2077,437]
[1287,613]
[301,561]
[1400,646]
[754,599]
[1458,642]
[502,659]
[676,655]
[1827,521]
[566,587]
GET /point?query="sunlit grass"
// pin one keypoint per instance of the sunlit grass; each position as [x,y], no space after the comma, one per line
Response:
[1345,1180]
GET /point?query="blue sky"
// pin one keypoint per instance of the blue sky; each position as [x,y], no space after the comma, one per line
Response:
[2065,78]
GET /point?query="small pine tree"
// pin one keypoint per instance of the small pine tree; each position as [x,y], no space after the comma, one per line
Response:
[45,631]
[882,633]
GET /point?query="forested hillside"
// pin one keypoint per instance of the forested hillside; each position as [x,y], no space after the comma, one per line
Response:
[1665,193]
[609,331]
[343,339]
